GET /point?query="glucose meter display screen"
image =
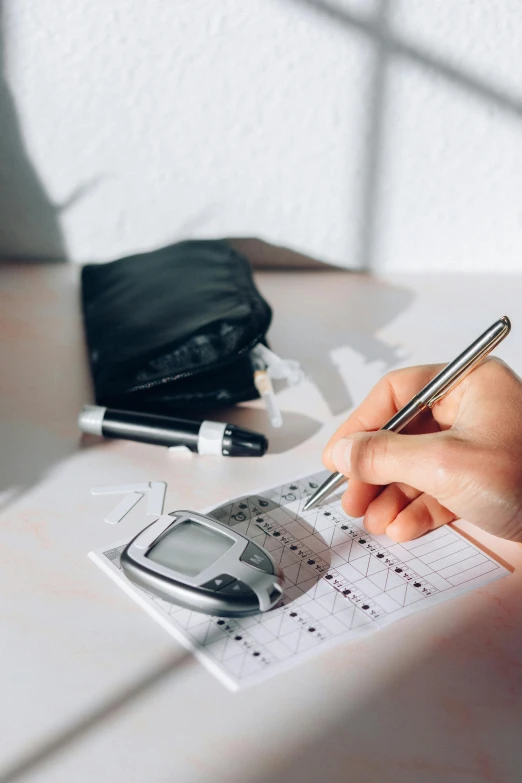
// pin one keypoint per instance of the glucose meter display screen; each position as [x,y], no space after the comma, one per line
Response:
[190,548]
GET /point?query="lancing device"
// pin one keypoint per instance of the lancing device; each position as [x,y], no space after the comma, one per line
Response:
[435,390]
[203,437]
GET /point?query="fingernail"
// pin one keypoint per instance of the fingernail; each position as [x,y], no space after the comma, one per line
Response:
[341,455]
[393,530]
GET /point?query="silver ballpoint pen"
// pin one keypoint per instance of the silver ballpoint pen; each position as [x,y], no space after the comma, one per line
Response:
[446,380]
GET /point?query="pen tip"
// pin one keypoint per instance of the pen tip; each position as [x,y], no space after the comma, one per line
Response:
[506,321]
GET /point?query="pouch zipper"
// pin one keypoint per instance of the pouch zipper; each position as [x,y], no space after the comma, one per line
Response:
[191,373]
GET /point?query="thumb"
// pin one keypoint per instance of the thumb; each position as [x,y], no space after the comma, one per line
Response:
[428,463]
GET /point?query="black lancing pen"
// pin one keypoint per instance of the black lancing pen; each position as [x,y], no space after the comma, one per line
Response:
[203,437]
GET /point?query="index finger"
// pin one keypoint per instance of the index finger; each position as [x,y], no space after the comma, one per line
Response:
[388,396]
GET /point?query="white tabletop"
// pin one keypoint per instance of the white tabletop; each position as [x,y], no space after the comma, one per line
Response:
[94,690]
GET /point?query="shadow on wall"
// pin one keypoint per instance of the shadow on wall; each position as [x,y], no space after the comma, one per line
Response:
[389,48]
[29,225]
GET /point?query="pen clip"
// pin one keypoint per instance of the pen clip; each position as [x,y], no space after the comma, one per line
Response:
[473,361]
[430,403]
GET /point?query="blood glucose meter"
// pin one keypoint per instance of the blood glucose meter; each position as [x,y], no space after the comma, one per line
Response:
[194,561]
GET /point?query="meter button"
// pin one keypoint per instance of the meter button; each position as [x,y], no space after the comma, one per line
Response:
[236,588]
[218,582]
[257,558]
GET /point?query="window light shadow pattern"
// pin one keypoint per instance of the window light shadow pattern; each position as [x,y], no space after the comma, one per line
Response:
[390,47]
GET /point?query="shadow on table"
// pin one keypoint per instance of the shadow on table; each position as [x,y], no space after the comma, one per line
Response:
[297,428]
[448,714]
[267,256]
[46,380]
[352,324]
[47,751]
[43,299]
[354,319]
[451,714]
[37,450]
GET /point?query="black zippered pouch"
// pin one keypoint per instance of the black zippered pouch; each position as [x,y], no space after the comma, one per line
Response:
[171,330]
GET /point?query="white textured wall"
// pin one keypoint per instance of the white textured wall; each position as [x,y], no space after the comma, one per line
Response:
[363,133]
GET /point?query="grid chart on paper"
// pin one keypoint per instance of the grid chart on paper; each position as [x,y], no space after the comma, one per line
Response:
[340,582]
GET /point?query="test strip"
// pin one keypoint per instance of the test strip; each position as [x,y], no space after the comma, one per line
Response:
[124,506]
[121,489]
[156,498]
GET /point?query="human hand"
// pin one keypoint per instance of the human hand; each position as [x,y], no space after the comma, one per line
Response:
[462,458]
